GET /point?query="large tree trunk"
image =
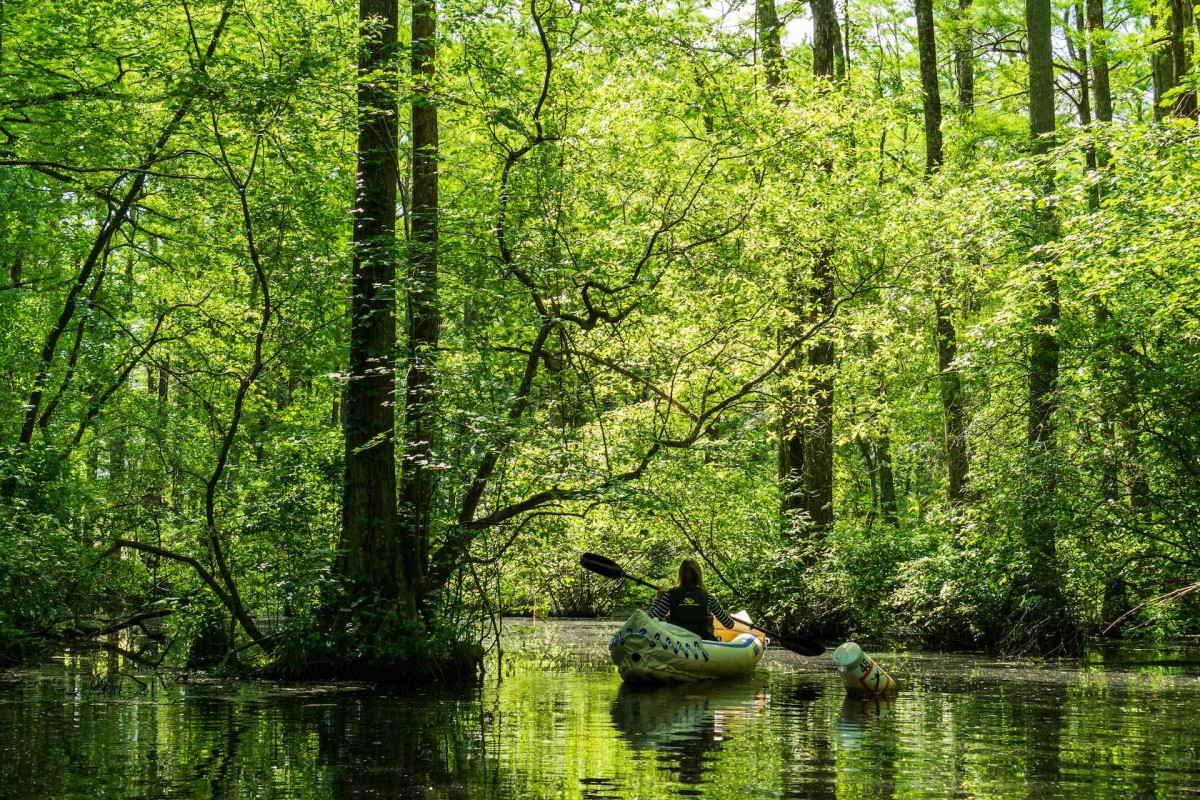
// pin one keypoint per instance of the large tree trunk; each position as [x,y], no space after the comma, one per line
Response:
[828,64]
[930,92]
[1179,28]
[424,317]
[1047,627]
[368,557]
[828,60]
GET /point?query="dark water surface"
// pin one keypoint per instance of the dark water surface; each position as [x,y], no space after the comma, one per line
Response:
[1119,724]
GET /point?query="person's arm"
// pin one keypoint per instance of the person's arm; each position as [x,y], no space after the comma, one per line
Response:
[661,606]
[717,610]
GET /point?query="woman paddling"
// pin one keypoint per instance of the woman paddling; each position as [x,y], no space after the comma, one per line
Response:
[688,605]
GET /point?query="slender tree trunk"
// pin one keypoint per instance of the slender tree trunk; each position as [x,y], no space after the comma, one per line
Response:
[1182,29]
[867,449]
[1172,61]
[1078,48]
[964,58]
[368,556]
[1098,45]
[954,417]
[930,92]
[791,433]
[945,334]
[766,20]
[887,480]
[424,316]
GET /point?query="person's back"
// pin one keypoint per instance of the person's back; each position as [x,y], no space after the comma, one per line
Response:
[688,605]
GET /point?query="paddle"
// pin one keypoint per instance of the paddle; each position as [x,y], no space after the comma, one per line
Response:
[611,569]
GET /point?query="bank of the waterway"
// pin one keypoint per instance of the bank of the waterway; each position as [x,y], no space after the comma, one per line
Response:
[558,723]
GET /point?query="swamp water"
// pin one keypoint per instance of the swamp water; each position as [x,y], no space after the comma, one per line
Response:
[559,723]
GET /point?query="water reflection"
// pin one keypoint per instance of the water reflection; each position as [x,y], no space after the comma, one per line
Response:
[857,715]
[686,725]
[961,728]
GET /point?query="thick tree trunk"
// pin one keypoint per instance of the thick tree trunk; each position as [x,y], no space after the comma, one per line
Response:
[424,316]
[1048,628]
[818,436]
[791,432]
[368,557]
[930,92]
[828,61]
[818,443]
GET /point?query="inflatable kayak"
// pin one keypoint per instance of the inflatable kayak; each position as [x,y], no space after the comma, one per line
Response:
[648,650]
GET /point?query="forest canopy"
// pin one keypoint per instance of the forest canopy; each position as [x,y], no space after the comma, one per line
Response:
[331,327]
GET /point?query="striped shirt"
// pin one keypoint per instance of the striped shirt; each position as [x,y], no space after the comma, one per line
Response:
[661,608]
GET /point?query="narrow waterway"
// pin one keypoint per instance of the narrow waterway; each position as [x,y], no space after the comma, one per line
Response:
[557,722]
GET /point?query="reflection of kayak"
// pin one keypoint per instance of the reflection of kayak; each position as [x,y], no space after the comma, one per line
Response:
[650,650]
[673,715]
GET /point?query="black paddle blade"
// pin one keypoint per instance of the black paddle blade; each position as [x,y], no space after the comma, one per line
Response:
[800,645]
[601,566]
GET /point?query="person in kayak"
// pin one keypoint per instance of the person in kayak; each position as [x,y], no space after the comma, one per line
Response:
[688,605]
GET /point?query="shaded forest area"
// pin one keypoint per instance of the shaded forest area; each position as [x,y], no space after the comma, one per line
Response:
[332,330]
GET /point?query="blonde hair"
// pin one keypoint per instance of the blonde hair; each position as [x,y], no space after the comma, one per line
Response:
[690,574]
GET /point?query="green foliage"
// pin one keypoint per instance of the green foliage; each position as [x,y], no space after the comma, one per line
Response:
[661,212]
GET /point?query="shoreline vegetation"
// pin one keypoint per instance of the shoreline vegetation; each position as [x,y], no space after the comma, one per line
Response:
[329,332]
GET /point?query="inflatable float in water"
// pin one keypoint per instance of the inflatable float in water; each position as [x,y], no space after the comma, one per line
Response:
[648,650]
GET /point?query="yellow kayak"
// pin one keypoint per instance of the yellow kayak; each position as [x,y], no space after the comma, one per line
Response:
[648,650]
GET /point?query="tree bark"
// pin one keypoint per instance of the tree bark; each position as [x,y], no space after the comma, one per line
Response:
[930,92]
[1079,54]
[828,64]
[887,480]
[964,58]
[368,549]
[945,334]
[791,435]
[1171,61]
[1182,22]
[818,435]
[1098,45]
[1049,628]
[424,315]
[828,61]
[766,20]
